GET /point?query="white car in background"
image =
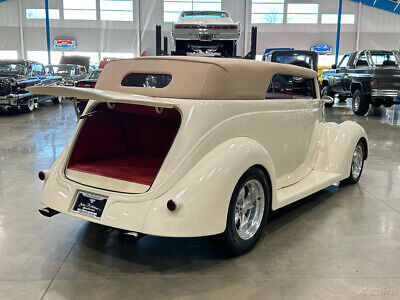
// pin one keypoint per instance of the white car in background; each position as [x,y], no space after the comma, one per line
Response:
[206,32]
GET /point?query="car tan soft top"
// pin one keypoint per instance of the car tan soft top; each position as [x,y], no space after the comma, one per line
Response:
[192,78]
[199,77]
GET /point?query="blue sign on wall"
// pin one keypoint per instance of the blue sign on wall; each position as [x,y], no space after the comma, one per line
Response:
[64,44]
[322,49]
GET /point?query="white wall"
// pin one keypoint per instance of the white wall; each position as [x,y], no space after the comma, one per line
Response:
[379,29]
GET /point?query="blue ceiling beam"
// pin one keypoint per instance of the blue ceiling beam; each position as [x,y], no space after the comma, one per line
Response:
[388,5]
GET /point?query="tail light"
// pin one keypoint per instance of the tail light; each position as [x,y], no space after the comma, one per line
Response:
[180,26]
[372,81]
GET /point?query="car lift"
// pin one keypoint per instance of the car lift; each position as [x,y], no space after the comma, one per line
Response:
[161,52]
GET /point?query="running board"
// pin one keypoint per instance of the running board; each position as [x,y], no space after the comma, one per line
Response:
[314,182]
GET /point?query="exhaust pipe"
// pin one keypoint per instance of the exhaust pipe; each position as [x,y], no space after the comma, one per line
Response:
[48,212]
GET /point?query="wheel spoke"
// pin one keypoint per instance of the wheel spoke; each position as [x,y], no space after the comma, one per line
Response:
[249,209]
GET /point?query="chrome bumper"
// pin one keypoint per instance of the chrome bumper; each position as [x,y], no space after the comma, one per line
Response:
[385,93]
[198,36]
[13,99]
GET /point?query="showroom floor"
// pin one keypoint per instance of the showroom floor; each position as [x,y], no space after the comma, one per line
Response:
[343,242]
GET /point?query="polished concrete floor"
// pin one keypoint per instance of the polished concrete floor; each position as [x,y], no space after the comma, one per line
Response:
[340,243]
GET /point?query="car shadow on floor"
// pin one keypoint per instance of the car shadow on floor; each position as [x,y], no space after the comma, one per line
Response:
[165,254]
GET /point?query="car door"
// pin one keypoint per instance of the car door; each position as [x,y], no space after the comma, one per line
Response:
[280,91]
[305,110]
[340,71]
[358,68]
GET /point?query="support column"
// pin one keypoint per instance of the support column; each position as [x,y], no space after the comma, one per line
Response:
[339,23]
[46,4]
[21,30]
[359,18]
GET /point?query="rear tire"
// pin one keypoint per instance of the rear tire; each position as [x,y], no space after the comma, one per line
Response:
[28,108]
[57,100]
[326,91]
[248,212]
[360,103]
[357,163]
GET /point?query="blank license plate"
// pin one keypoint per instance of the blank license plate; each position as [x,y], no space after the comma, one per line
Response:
[89,205]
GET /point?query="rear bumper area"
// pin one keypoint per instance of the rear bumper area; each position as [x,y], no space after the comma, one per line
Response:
[385,93]
[198,36]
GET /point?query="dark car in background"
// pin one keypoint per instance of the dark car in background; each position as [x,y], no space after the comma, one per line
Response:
[368,76]
[70,73]
[16,76]
[302,58]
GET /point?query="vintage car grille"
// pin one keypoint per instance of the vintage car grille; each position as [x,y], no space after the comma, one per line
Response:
[5,88]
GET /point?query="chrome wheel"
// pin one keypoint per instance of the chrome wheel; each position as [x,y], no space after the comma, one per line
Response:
[357,163]
[249,209]
[356,102]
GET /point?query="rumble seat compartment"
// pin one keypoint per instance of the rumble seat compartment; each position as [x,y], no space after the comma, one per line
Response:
[128,142]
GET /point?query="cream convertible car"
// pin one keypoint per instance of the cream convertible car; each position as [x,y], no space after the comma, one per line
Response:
[188,147]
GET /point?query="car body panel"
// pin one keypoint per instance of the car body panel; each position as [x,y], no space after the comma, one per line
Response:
[219,139]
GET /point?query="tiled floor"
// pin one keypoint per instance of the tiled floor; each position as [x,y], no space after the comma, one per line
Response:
[341,243]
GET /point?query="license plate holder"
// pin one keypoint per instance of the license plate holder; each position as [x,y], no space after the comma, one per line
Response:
[89,205]
[206,37]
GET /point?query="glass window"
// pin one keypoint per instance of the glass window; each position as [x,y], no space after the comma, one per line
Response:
[12,68]
[332,19]
[8,54]
[146,80]
[344,62]
[267,11]
[362,61]
[95,74]
[116,10]
[79,10]
[303,88]
[280,87]
[302,13]
[291,87]
[383,59]
[174,8]
[40,13]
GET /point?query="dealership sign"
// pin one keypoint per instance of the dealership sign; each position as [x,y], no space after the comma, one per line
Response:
[322,49]
[64,44]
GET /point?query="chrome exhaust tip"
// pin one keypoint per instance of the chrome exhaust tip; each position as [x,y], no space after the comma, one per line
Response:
[48,212]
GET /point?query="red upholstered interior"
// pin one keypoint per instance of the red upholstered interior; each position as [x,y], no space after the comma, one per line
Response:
[127,143]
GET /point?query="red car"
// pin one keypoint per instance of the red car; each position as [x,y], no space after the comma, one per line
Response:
[88,82]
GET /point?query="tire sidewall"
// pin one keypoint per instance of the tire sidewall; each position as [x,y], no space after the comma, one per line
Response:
[237,245]
[351,179]
[364,104]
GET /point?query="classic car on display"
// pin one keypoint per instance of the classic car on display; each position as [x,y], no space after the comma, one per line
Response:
[16,76]
[89,82]
[368,76]
[205,32]
[70,73]
[160,152]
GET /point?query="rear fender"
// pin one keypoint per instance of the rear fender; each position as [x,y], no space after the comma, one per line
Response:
[337,147]
[203,194]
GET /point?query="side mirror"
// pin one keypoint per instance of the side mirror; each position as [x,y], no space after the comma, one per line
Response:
[327,99]
[334,66]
